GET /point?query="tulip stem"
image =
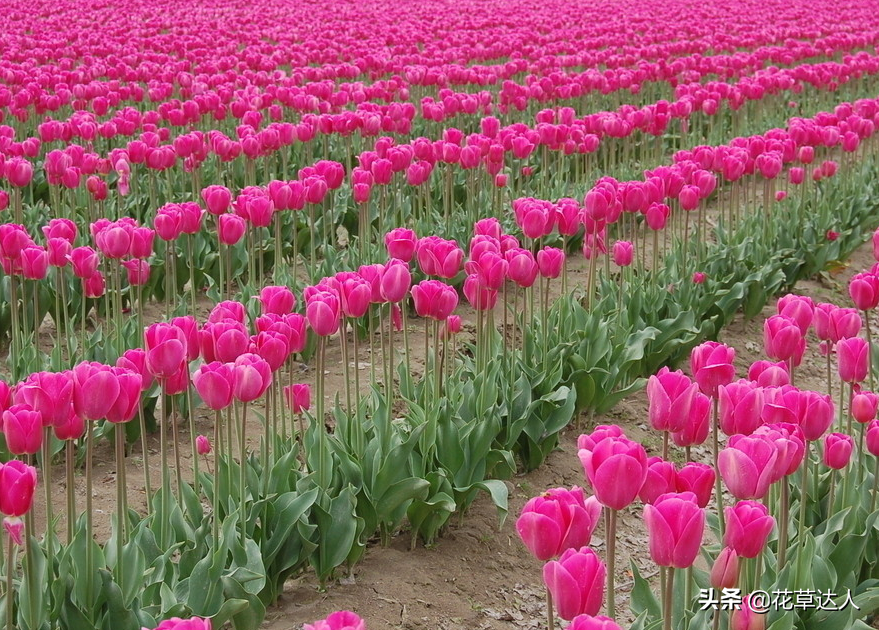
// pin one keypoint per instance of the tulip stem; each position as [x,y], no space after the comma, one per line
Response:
[665,445]
[242,474]
[832,495]
[89,542]
[869,347]
[195,472]
[784,515]
[875,486]
[10,568]
[146,458]
[218,447]
[550,618]
[610,535]
[718,488]
[71,496]
[668,600]
[176,445]
[118,429]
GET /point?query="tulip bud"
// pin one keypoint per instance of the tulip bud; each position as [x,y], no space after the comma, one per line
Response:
[725,571]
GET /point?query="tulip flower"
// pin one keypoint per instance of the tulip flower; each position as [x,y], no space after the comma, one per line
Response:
[355,293]
[837,450]
[748,466]
[127,400]
[323,312]
[550,261]
[588,442]
[251,377]
[748,525]
[23,429]
[769,373]
[558,520]
[166,347]
[815,414]
[616,469]
[95,390]
[873,438]
[864,291]
[279,300]
[740,407]
[712,366]
[213,382]
[453,325]
[783,339]
[72,428]
[434,299]
[193,623]
[17,484]
[589,622]
[675,526]
[695,429]
[661,479]
[202,445]
[401,244]
[439,257]
[340,620]
[298,397]
[833,323]
[395,281]
[697,478]
[522,267]
[481,297]
[230,229]
[725,570]
[864,405]
[223,340]
[622,253]
[576,582]
[670,396]
[746,618]
[852,357]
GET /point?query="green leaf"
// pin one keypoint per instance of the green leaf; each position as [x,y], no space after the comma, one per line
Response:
[643,599]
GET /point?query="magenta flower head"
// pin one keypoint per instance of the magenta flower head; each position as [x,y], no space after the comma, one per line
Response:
[17,484]
[712,366]
[251,377]
[837,450]
[95,390]
[675,525]
[863,289]
[697,478]
[833,323]
[401,244]
[166,347]
[622,253]
[740,407]
[873,438]
[230,228]
[790,444]
[176,623]
[662,478]
[217,199]
[340,620]
[50,393]
[769,373]
[439,257]
[748,466]
[670,396]
[783,339]
[396,280]
[278,300]
[576,582]
[815,414]
[588,622]
[522,267]
[695,429]
[550,261]
[203,445]
[323,312]
[616,468]
[746,618]
[213,382]
[725,570]
[799,308]
[748,525]
[864,406]
[434,299]
[128,399]
[852,358]
[557,520]
[298,397]
[600,432]
[480,296]
[23,429]
[355,294]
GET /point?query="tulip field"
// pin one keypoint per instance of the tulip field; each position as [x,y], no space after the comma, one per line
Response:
[439,316]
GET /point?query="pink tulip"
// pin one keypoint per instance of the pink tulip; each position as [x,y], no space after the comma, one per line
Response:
[223,340]
[166,347]
[864,405]
[135,359]
[228,309]
[128,399]
[434,299]
[790,445]
[202,445]
[833,323]
[748,466]
[84,261]
[725,570]
[34,263]
[853,360]
[783,339]
[481,297]
[815,414]
[712,366]
[323,312]
[401,244]
[622,253]
[769,374]
[559,519]
[740,407]
[697,478]
[670,396]
[193,623]
[230,228]
[864,291]
[746,618]
[23,429]
[453,325]
[837,450]
[17,484]
[213,382]
[114,241]
[251,377]
[272,346]
[675,526]
[340,620]
[298,396]
[748,525]
[873,438]
[138,271]
[279,300]
[72,428]
[95,390]
[217,199]
[699,277]
[59,251]
[799,308]
[695,429]
[50,393]
[522,267]
[661,479]
[94,286]
[395,281]
[616,468]
[576,582]
[550,261]
[589,622]
[439,257]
